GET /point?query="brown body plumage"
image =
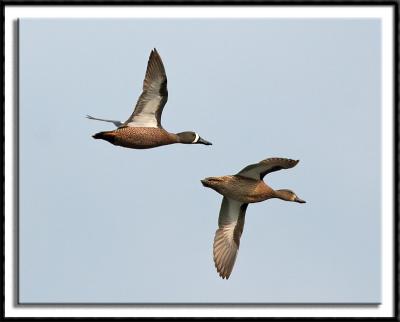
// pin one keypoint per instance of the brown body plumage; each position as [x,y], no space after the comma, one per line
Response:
[138,137]
[239,190]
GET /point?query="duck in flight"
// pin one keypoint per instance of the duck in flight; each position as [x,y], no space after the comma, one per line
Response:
[143,129]
[239,190]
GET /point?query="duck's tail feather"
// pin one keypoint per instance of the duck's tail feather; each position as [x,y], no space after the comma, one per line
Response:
[107,136]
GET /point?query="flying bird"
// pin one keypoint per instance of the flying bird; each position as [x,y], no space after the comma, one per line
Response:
[247,186]
[143,129]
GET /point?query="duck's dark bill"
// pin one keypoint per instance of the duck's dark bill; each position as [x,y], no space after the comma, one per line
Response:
[202,141]
[300,200]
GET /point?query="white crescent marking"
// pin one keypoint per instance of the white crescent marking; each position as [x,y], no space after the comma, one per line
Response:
[196,138]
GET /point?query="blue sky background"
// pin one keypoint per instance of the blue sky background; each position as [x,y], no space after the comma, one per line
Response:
[100,223]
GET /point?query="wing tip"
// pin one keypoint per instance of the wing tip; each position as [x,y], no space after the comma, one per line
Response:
[155,65]
[223,269]
[292,163]
[224,276]
[221,272]
[281,159]
[154,52]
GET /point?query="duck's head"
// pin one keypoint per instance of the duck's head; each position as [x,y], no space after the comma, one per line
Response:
[288,195]
[191,138]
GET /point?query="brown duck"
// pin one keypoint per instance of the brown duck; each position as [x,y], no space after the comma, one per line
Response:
[143,130]
[239,190]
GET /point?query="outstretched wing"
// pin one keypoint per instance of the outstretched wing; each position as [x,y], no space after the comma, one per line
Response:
[227,236]
[115,122]
[151,102]
[259,170]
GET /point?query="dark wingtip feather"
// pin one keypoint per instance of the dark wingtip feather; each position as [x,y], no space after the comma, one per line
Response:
[154,52]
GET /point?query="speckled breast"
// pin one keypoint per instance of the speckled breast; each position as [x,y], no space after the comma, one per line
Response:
[142,137]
